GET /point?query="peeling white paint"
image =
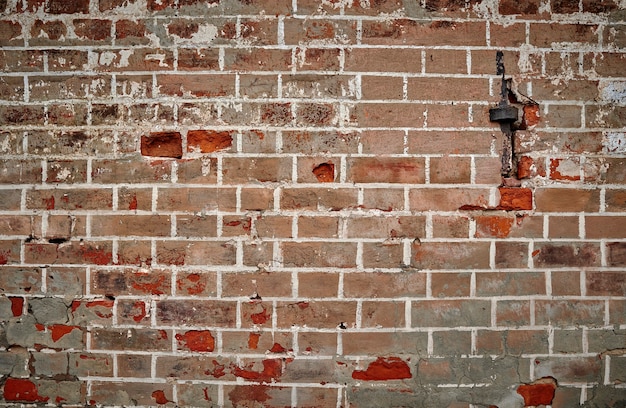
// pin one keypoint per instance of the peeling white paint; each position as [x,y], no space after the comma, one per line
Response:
[615,142]
[613,91]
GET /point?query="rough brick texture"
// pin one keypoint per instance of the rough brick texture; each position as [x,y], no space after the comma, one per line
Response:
[302,203]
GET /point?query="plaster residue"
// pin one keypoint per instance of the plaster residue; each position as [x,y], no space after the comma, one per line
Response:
[613,91]
[615,142]
[206,34]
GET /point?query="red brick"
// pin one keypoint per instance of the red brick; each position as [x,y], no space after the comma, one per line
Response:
[130,282]
[63,7]
[382,87]
[383,60]
[318,284]
[273,226]
[558,254]
[316,226]
[130,171]
[511,254]
[98,31]
[606,283]
[566,200]
[131,225]
[9,33]
[196,283]
[379,284]
[387,227]
[48,32]
[199,85]
[74,199]
[450,284]
[469,89]
[383,255]
[319,254]
[450,170]
[270,169]
[139,59]
[74,252]
[387,199]
[316,114]
[257,59]
[359,343]
[195,253]
[563,312]
[131,32]
[275,114]
[9,252]
[565,6]
[316,198]
[412,32]
[133,312]
[510,283]
[321,314]
[197,312]
[447,199]
[386,170]
[455,255]
[446,62]
[451,313]
[197,199]
[313,31]
[565,283]
[208,141]
[20,61]
[318,58]
[313,142]
[605,227]
[253,284]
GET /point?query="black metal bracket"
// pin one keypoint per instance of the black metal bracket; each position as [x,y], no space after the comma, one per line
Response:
[505,114]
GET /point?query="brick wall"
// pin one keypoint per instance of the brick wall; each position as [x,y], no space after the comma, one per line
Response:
[302,203]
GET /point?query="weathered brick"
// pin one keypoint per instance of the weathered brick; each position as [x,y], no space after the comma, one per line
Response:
[566,254]
[130,282]
[561,312]
[196,253]
[131,171]
[270,169]
[197,312]
[74,199]
[413,32]
[383,60]
[317,198]
[253,284]
[450,313]
[457,255]
[386,170]
[510,283]
[319,254]
[316,31]
[447,199]
[322,314]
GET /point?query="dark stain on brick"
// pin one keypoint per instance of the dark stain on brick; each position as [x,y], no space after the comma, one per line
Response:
[67,7]
[316,114]
[325,172]
[162,144]
[183,28]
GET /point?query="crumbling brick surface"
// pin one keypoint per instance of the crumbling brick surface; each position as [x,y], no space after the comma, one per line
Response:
[295,203]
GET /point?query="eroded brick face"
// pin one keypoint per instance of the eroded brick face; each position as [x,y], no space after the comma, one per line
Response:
[295,203]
